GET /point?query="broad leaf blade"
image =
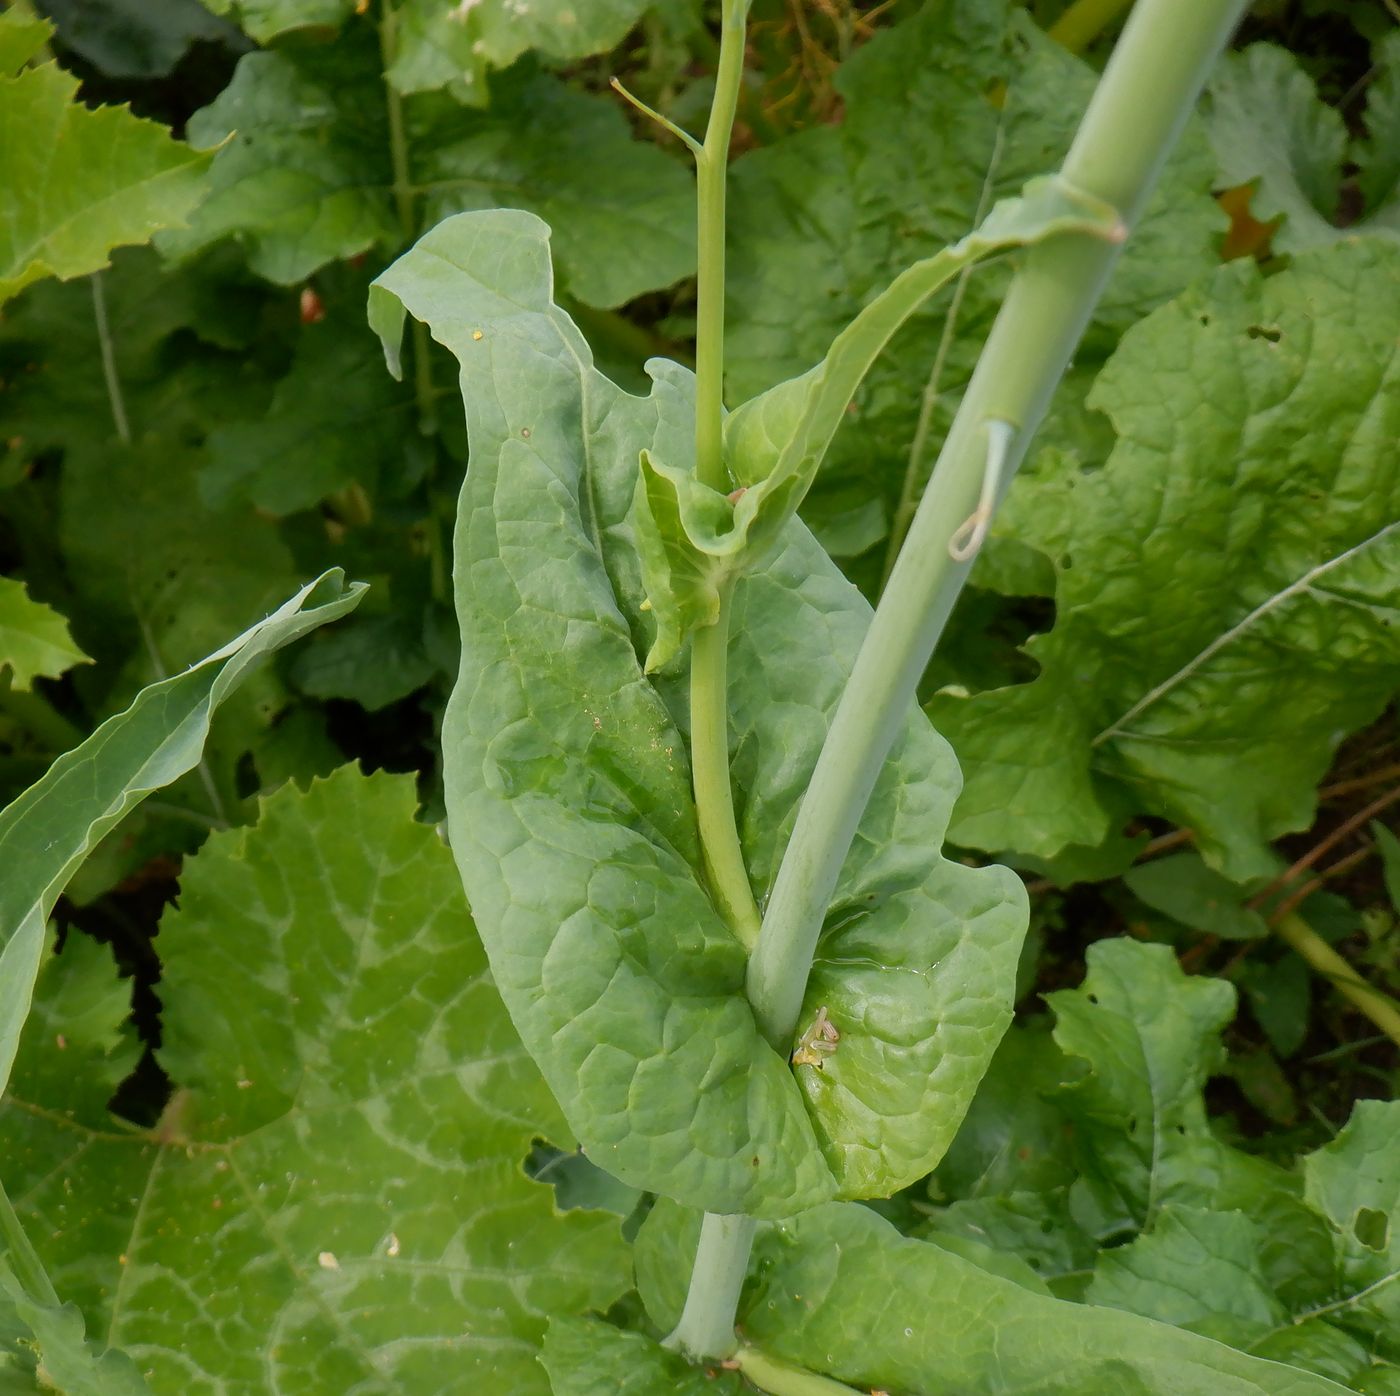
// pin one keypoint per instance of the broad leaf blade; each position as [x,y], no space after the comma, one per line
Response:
[79,181]
[49,829]
[569,799]
[341,1164]
[844,1293]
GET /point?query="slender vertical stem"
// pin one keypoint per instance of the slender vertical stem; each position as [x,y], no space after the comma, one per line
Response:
[1144,98]
[404,194]
[709,689]
[706,1328]
[109,359]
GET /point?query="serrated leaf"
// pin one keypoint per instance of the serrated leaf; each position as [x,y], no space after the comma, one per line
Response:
[570,806]
[351,1114]
[823,220]
[1268,124]
[79,181]
[693,540]
[21,37]
[840,1291]
[1220,706]
[1149,1037]
[46,833]
[63,1360]
[306,172]
[587,1357]
[34,638]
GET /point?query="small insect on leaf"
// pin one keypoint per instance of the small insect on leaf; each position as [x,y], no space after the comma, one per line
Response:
[817,1043]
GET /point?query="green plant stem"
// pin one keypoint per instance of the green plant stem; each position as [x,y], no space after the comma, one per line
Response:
[1147,92]
[781,1379]
[24,1260]
[714,800]
[706,1327]
[709,686]
[1382,1010]
[404,194]
[109,359]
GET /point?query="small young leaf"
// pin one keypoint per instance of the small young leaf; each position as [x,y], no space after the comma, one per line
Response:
[569,798]
[46,833]
[1150,1038]
[1388,846]
[1184,888]
[78,181]
[34,638]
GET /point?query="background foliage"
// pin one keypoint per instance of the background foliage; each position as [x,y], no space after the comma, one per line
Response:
[267,1060]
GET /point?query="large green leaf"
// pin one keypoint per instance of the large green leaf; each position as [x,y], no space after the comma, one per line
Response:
[334,1200]
[34,638]
[570,807]
[822,221]
[694,540]
[47,832]
[1268,124]
[1227,584]
[307,175]
[78,181]
[838,1290]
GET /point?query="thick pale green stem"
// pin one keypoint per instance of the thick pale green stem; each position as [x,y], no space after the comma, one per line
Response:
[1144,98]
[706,1328]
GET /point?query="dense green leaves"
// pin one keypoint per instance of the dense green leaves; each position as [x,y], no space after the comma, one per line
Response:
[34,638]
[824,220]
[1268,125]
[308,175]
[569,800]
[693,541]
[78,182]
[1255,419]
[351,1116]
[46,833]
